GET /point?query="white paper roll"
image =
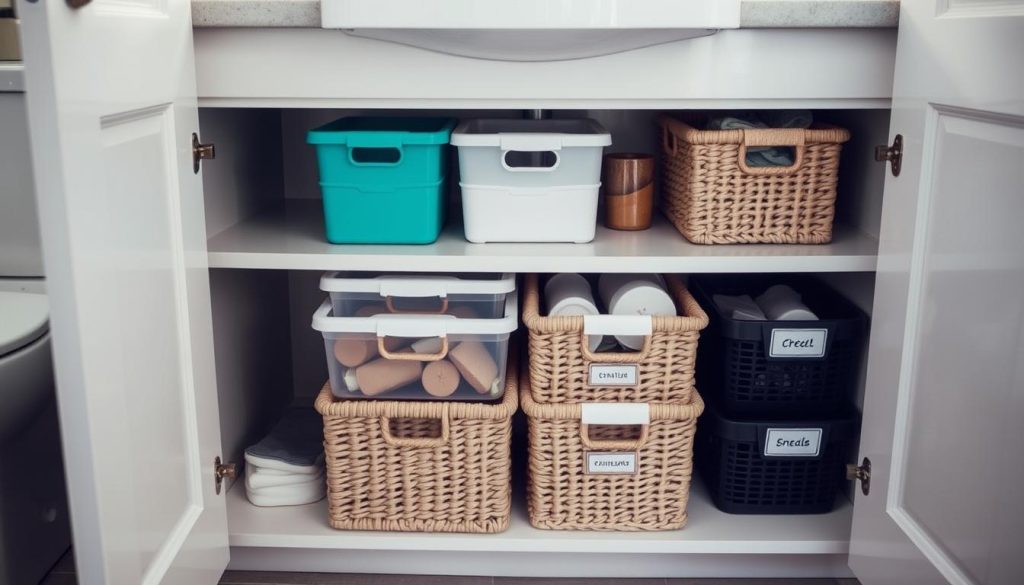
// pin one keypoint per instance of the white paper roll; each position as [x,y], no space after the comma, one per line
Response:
[635,294]
[569,295]
[782,303]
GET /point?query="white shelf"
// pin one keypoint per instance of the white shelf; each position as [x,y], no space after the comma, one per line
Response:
[708,531]
[291,238]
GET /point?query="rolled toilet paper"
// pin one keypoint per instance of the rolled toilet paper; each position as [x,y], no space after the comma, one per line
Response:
[635,294]
[739,307]
[569,295]
[782,303]
[441,378]
[475,364]
[384,375]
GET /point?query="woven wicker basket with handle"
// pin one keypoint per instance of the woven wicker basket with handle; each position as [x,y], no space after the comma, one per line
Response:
[563,494]
[560,357]
[713,196]
[419,466]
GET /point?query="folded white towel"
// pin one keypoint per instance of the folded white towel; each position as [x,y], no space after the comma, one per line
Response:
[277,464]
[257,477]
[288,495]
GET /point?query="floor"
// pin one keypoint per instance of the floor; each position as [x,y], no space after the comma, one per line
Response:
[64,574]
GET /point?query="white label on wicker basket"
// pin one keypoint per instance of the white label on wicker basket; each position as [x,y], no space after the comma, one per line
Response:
[808,343]
[625,375]
[792,443]
[611,463]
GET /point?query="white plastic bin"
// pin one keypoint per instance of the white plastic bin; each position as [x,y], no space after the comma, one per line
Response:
[466,296]
[530,180]
[417,357]
[538,214]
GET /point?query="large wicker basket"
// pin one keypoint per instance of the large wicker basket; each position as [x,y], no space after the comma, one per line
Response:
[419,466]
[563,494]
[560,357]
[712,196]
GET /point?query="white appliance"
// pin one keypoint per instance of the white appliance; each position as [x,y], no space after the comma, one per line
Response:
[530,30]
[34,526]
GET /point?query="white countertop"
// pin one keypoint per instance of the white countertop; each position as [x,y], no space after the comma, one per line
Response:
[753,13]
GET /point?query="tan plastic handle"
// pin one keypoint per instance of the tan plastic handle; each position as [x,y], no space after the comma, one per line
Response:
[409,356]
[774,137]
[614,445]
[389,301]
[417,442]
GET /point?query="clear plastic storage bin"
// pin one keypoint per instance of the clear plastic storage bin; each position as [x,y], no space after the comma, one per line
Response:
[417,356]
[466,296]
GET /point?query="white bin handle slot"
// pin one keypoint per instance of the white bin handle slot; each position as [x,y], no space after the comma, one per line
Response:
[531,168]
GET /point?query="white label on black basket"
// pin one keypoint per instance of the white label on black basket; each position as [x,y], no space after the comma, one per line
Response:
[613,375]
[798,343]
[611,463]
[792,443]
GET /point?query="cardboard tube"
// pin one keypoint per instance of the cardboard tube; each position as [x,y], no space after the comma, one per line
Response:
[475,364]
[441,379]
[381,375]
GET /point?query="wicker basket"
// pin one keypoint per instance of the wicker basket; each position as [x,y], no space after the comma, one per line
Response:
[712,196]
[419,466]
[563,494]
[560,358]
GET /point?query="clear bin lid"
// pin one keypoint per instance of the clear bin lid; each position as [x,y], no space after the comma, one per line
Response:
[418,285]
[406,325]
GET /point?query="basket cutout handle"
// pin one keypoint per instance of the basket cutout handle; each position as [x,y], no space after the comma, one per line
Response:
[617,325]
[412,356]
[417,442]
[616,415]
[389,301]
[614,444]
[669,142]
[793,137]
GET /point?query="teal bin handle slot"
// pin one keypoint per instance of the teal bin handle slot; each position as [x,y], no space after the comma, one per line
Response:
[375,156]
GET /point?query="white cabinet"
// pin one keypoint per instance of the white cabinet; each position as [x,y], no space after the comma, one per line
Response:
[153,274]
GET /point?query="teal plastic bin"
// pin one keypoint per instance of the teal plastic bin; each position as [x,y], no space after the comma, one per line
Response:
[383,180]
[384,214]
[391,151]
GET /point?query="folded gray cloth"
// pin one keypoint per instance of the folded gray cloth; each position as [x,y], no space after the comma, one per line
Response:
[296,440]
[764,156]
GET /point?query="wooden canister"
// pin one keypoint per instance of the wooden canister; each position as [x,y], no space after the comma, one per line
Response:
[629,190]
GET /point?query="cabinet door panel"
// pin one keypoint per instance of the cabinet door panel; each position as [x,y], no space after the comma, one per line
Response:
[942,420]
[112,108]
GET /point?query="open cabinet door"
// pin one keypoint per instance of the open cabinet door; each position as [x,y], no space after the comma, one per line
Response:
[944,413]
[112,108]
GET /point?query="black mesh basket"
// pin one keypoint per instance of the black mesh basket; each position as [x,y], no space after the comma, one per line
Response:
[747,471]
[736,359]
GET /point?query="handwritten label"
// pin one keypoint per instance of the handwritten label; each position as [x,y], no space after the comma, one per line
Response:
[611,463]
[792,443]
[614,375]
[808,343]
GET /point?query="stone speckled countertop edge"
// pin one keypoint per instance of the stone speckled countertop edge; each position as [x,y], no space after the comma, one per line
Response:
[753,13]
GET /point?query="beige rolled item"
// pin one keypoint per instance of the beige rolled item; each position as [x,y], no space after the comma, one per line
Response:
[356,352]
[371,310]
[440,379]
[463,312]
[383,375]
[475,364]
